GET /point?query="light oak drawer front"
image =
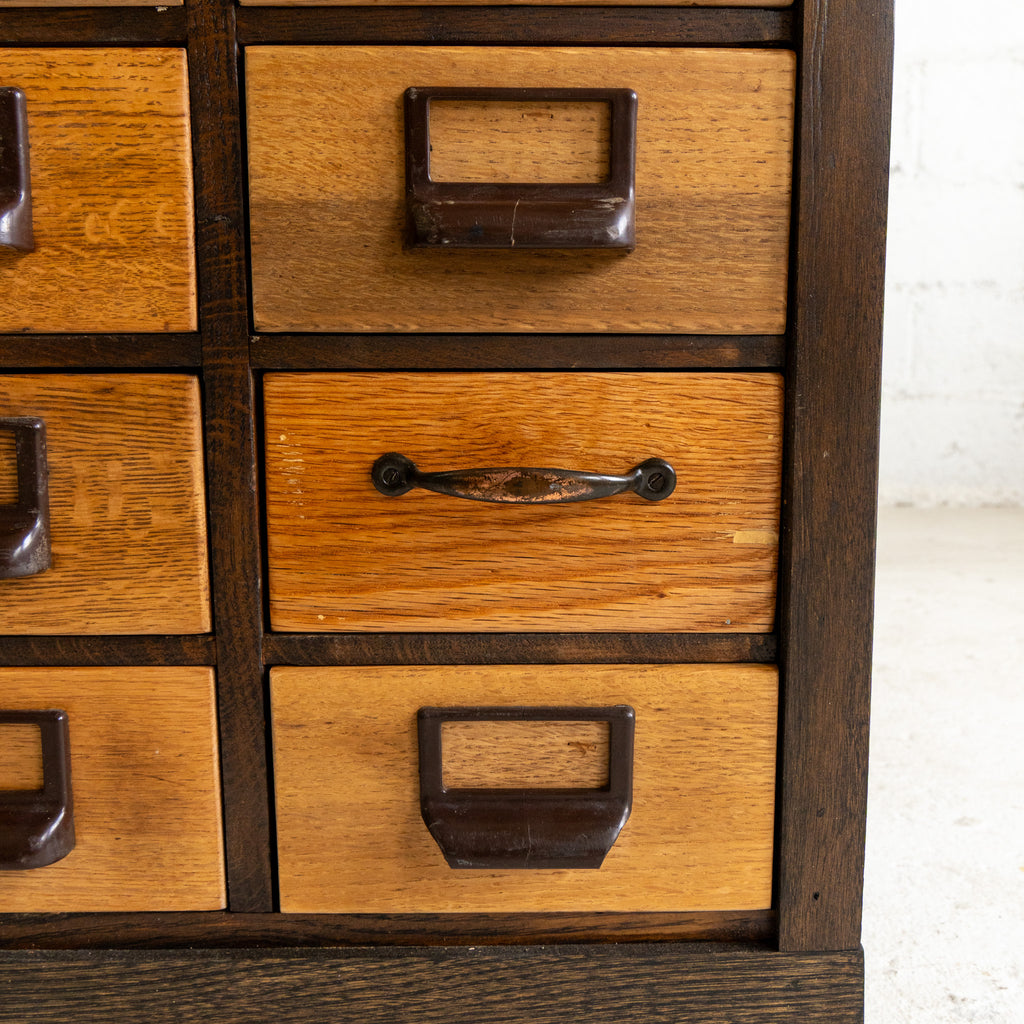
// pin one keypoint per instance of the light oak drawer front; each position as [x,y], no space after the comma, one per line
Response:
[343,556]
[352,839]
[327,190]
[127,513]
[111,193]
[144,785]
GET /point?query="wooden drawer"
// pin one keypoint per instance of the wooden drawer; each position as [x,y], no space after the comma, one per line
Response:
[144,785]
[343,556]
[351,836]
[327,190]
[111,193]
[126,505]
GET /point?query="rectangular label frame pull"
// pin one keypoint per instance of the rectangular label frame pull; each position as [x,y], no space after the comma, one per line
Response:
[526,828]
[521,215]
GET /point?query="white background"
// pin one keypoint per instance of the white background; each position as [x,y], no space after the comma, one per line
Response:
[953,368]
[944,885]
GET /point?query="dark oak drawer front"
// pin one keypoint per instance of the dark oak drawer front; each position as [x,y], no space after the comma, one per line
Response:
[343,556]
[126,505]
[327,190]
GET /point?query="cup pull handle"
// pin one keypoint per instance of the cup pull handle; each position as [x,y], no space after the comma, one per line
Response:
[526,828]
[25,525]
[507,215]
[394,474]
[15,184]
[37,826]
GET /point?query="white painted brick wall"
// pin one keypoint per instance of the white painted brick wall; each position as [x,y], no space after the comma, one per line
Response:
[953,369]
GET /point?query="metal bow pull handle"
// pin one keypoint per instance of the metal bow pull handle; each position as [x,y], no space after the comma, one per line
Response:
[15,187]
[507,215]
[394,474]
[37,825]
[25,525]
[526,828]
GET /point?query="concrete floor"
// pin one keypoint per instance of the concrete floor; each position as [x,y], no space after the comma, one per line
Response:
[944,886]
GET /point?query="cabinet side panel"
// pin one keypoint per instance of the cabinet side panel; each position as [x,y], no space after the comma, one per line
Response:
[833,378]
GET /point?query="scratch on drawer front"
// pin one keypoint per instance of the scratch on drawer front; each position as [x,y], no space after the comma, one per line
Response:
[767,537]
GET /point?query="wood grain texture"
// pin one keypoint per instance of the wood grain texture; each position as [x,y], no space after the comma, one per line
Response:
[146,793]
[597,984]
[515,648]
[484,24]
[230,435]
[107,650]
[8,468]
[714,144]
[94,3]
[100,351]
[329,3]
[91,25]
[351,837]
[833,398]
[517,351]
[111,171]
[127,509]
[538,755]
[266,931]
[344,557]
[490,141]
[21,756]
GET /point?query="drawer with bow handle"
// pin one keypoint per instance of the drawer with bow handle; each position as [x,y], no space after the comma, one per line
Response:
[458,501]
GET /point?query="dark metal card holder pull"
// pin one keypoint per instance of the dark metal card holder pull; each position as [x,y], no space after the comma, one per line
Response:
[526,828]
[37,826]
[25,525]
[527,215]
[394,474]
[15,185]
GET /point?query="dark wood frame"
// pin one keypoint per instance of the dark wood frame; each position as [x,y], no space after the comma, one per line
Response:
[798,962]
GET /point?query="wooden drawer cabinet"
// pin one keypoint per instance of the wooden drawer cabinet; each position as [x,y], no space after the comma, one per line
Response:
[110,163]
[461,509]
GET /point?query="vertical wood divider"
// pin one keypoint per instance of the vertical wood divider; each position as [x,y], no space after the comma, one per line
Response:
[833,369]
[230,449]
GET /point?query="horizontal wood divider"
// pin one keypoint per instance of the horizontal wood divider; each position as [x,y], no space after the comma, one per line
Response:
[91,26]
[173,931]
[517,351]
[70,352]
[603,984]
[516,648]
[69,651]
[510,25]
